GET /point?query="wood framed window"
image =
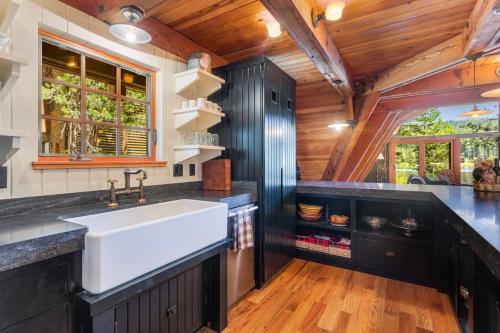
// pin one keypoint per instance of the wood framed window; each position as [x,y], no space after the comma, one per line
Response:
[95,109]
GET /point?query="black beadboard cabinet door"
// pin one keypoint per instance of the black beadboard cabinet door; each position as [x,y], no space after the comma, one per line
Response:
[258,131]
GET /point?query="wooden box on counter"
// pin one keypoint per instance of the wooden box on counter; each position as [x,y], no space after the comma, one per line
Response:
[217,175]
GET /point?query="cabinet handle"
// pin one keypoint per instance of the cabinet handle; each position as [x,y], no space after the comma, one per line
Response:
[171,311]
[463,241]
[446,221]
[390,254]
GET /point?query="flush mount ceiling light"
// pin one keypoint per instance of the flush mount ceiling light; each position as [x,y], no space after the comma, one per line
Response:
[333,12]
[128,32]
[273,29]
[475,112]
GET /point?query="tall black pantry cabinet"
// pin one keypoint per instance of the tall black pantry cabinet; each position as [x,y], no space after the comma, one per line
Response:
[258,132]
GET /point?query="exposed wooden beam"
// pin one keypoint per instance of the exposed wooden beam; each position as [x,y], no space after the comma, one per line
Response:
[295,16]
[348,141]
[429,62]
[482,28]
[163,36]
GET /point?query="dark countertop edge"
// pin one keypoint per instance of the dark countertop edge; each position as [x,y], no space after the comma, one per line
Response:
[39,248]
[481,246]
[101,302]
[42,248]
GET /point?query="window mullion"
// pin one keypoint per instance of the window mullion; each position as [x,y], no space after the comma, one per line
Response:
[118,111]
[83,103]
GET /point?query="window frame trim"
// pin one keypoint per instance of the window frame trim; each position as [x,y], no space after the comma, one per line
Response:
[64,161]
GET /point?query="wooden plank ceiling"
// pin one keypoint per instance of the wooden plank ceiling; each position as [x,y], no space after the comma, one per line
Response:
[372,35]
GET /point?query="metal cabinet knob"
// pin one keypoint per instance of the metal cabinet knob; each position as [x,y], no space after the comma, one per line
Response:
[171,310]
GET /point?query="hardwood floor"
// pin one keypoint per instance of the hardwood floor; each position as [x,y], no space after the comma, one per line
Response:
[309,297]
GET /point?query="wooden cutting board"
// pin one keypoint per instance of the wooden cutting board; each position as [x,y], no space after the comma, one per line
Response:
[217,175]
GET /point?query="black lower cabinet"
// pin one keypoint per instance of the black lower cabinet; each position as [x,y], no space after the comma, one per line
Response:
[409,262]
[178,305]
[38,297]
[486,300]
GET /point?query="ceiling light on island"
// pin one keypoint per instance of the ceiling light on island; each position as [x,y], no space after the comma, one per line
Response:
[495,93]
[128,32]
[273,29]
[475,112]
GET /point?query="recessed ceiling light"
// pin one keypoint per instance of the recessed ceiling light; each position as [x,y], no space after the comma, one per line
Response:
[273,29]
[129,32]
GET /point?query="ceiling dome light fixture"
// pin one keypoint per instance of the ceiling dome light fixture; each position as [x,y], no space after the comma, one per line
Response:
[475,112]
[128,32]
[333,12]
[273,29]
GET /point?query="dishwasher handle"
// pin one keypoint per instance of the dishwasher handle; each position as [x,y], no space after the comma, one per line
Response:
[251,209]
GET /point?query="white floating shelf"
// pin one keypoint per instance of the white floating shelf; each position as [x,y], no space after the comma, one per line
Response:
[10,143]
[196,83]
[10,69]
[8,9]
[205,153]
[196,119]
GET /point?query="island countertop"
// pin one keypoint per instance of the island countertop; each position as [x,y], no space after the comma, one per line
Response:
[33,229]
[478,212]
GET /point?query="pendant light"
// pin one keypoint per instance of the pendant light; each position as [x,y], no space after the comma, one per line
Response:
[129,32]
[495,93]
[475,112]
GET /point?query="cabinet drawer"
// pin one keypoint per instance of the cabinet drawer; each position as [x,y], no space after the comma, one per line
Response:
[413,262]
[33,289]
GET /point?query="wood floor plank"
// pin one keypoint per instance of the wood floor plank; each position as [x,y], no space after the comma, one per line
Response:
[312,298]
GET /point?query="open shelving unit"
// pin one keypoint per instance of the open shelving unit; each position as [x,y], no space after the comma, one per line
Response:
[205,153]
[10,143]
[196,119]
[192,84]
[196,83]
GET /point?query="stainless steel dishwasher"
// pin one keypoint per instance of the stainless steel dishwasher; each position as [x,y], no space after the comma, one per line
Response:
[241,264]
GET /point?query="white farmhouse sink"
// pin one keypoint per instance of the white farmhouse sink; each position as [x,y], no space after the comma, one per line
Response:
[124,244]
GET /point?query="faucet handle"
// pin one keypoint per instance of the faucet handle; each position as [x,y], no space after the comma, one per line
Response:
[112,181]
[141,178]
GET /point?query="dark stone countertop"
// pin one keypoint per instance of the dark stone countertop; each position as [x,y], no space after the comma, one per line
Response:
[33,229]
[478,212]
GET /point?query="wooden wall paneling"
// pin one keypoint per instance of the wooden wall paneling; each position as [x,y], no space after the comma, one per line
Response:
[344,146]
[316,42]
[482,28]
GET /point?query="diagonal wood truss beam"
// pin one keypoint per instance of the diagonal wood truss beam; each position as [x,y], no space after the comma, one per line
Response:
[482,30]
[295,16]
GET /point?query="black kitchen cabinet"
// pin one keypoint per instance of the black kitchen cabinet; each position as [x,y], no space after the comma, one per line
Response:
[178,305]
[258,131]
[486,299]
[37,294]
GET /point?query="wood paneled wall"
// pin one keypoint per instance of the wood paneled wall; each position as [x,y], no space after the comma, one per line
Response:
[317,106]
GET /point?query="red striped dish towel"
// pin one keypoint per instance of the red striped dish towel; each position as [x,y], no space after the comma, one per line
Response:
[243,231]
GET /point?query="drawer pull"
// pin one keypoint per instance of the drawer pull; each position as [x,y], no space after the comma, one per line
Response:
[464,292]
[171,311]
[390,254]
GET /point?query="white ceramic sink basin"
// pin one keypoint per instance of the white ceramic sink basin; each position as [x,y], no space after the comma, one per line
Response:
[124,244]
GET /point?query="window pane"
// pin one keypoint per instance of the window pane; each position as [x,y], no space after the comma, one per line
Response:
[60,101]
[60,64]
[485,148]
[101,140]
[134,114]
[101,108]
[437,158]
[406,162]
[100,75]
[134,142]
[61,137]
[133,85]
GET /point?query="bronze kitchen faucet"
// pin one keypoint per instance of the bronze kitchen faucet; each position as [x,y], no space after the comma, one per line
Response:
[113,192]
